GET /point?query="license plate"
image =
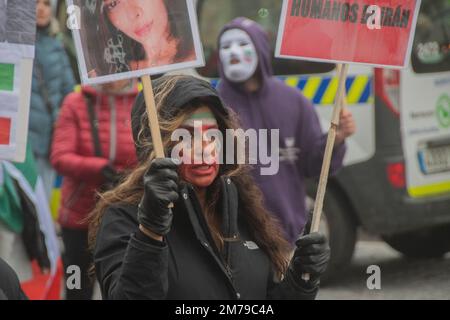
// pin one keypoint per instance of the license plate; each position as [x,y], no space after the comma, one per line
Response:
[435,160]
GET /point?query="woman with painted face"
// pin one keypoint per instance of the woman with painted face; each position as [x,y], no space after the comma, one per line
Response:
[264,102]
[218,241]
[135,34]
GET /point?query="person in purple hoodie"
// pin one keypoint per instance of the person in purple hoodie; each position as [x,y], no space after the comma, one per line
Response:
[264,102]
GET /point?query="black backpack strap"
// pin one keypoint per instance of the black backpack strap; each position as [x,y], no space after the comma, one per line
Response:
[94,125]
[46,97]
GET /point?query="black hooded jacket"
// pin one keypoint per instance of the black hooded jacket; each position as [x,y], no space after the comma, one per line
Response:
[187,265]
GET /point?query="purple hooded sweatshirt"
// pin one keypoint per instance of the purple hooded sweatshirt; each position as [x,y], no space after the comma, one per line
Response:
[302,142]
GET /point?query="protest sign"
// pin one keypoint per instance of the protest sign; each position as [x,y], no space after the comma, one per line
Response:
[378,33]
[17,36]
[18,26]
[119,40]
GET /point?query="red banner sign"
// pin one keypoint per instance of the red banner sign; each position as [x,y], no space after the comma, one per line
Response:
[359,31]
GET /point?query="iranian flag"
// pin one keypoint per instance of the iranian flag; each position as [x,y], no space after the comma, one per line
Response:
[26,218]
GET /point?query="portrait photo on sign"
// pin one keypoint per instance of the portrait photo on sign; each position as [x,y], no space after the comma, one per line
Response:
[120,39]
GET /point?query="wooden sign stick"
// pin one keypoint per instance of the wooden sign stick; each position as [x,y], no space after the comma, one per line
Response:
[318,205]
[152,116]
[153,121]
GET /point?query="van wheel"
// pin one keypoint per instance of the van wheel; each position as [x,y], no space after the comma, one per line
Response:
[339,228]
[427,243]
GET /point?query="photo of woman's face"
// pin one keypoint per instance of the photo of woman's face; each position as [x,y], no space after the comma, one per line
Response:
[124,39]
[144,23]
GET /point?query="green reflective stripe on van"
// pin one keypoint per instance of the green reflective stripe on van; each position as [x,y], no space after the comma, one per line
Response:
[430,190]
[322,90]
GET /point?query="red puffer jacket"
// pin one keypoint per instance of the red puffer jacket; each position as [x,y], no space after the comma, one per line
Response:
[73,153]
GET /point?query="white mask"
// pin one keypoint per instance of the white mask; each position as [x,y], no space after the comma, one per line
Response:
[238,55]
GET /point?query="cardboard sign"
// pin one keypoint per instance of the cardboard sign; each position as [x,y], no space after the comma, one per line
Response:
[369,32]
[118,40]
[17,38]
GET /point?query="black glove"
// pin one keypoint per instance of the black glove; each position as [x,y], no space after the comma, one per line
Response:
[311,256]
[160,189]
[110,174]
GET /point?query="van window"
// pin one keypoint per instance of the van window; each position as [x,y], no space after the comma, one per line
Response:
[431,49]
[214,14]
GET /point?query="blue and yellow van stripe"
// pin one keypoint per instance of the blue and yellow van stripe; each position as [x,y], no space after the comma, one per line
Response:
[55,200]
[322,90]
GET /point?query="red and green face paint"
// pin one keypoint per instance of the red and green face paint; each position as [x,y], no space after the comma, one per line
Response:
[238,55]
[199,166]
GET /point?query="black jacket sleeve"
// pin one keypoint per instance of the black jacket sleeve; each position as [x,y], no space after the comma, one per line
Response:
[9,284]
[127,266]
[288,289]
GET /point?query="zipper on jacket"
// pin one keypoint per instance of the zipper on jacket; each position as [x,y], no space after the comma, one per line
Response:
[215,253]
[230,274]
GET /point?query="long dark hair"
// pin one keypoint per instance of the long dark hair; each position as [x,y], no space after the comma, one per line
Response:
[263,227]
[97,33]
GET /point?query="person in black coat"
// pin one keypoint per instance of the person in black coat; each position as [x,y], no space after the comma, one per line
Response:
[217,241]
[9,284]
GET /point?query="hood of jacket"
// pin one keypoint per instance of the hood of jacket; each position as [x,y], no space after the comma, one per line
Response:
[186,89]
